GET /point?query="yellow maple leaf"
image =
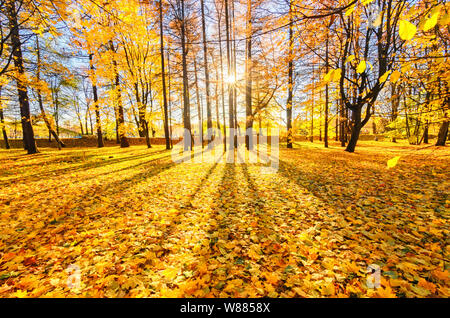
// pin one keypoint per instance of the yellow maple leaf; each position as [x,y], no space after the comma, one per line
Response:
[427,285]
[407,30]
[272,278]
[386,292]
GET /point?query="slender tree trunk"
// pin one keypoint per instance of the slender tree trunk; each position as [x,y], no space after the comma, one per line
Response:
[336,128]
[120,119]
[219,18]
[248,83]
[170,98]
[2,122]
[326,97]
[216,97]
[290,81]
[233,63]
[163,78]
[230,86]
[100,143]
[342,123]
[143,125]
[27,129]
[91,123]
[208,101]
[188,140]
[311,137]
[199,107]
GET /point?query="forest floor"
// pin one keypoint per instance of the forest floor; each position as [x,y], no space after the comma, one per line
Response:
[132,223]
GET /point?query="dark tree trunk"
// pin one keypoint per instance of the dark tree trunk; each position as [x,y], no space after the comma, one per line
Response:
[230,87]
[342,122]
[169,101]
[248,83]
[326,97]
[290,82]
[124,143]
[163,77]
[199,107]
[443,132]
[311,137]
[100,143]
[27,129]
[188,140]
[216,97]
[425,133]
[219,18]
[356,130]
[2,122]
[208,101]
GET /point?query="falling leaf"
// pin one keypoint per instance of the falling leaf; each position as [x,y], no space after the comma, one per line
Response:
[361,67]
[384,77]
[431,22]
[395,76]
[350,10]
[407,30]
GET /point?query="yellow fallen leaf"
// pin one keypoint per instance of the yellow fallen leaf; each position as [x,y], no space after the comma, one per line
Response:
[393,162]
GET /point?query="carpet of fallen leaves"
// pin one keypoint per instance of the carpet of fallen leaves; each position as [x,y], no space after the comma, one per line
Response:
[138,225]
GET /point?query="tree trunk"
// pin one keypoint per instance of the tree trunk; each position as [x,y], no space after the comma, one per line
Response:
[199,108]
[248,82]
[326,97]
[219,18]
[163,77]
[188,140]
[230,88]
[170,99]
[208,101]
[443,132]
[2,122]
[342,121]
[27,129]
[124,143]
[290,82]
[356,130]
[425,133]
[311,137]
[100,143]
[216,97]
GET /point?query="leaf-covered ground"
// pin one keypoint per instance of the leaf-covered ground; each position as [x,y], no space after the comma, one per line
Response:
[138,225]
